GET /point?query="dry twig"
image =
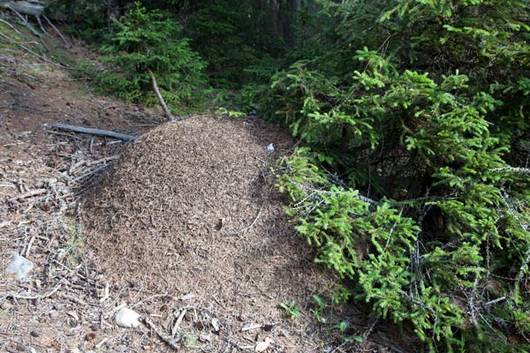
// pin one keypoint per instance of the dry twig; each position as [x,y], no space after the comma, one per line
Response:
[169,115]
[165,338]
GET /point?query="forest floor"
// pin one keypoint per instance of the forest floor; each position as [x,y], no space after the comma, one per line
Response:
[76,287]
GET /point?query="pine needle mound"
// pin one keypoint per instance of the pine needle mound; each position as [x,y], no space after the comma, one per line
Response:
[191,208]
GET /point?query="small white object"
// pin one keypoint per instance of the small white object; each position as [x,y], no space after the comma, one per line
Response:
[20,267]
[216,326]
[250,326]
[205,338]
[188,296]
[270,147]
[127,318]
[263,346]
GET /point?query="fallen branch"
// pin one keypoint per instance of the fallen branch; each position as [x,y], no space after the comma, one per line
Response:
[513,170]
[10,26]
[57,31]
[92,131]
[25,22]
[43,58]
[169,116]
[32,8]
[165,338]
[29,194]
[31,297]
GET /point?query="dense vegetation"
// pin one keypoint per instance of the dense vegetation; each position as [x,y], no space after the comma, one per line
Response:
[412,176]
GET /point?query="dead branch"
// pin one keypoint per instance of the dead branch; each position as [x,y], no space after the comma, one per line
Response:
[513,170]
[161,100]
[11,41]
[165,338]
[32,297]
[29,194]
[24,21]
[93,131]
[10,26]
[57,31]
[33,8]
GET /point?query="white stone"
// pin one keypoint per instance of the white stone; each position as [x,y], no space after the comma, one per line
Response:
[216,326]
[263,346]
[20,267]
[127,318]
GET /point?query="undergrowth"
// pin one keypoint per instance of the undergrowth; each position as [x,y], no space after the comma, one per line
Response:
[411,178]
[411,182]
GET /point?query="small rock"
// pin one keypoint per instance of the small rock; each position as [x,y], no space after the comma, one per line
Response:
[127,318]
[34,333]
[58,306]
[205,338]
[122,348]
[263,346]
[90,336]
[73,315]
[188,296]
[20,267]
[216,326]
[270,147]
[6,306]
[53,314]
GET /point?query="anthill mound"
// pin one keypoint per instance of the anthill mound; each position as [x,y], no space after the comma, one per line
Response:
[191,208]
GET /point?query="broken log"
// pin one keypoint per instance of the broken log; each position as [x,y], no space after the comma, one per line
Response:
[93,131]
[31,8]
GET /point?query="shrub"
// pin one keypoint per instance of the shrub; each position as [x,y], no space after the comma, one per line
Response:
[409,183]
[146,41]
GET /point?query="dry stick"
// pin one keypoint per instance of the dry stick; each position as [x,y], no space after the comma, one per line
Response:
[169,116]
[43,58]
[25,22]
[29,194]
[10,26]
[175,328]
[57,31]
[245,229]
[31,297]
[170,342]
[92,131]
[39,21]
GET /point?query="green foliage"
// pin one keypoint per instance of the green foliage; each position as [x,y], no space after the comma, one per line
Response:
[291,309]
[237,39]
[405,186]
[145,41]
[411,180]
